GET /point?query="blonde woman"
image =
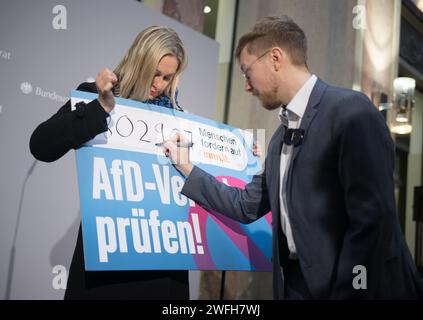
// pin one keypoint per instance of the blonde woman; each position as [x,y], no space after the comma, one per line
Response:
[149,72]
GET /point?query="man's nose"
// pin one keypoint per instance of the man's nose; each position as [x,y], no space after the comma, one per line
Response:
[248,86]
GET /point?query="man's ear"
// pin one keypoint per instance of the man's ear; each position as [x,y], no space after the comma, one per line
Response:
[278,56]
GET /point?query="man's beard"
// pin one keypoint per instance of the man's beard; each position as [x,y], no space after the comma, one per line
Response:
[269,100]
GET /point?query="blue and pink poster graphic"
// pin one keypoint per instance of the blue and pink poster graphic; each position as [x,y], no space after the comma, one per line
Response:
[134,216]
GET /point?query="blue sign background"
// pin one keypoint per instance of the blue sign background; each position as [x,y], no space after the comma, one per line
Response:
[221,249]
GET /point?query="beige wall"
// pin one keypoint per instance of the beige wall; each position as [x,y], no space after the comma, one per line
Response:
[380,46]
[331,42]
[414,170]
[224,35]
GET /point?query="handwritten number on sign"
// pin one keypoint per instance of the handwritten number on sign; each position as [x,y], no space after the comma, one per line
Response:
[121,128]
[190,135]
[146,130]
[159,129]
[125,127]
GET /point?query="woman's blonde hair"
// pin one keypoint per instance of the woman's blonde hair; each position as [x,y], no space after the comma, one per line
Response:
[137,69]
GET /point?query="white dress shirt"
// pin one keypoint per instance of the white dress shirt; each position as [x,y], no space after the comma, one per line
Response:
[292,119]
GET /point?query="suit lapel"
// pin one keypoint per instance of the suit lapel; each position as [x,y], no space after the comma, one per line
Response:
[274,172]
[310,112]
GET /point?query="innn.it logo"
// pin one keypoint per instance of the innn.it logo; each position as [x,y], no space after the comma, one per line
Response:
[26,87]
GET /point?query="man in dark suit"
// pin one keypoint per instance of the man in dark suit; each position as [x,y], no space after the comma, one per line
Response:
[328,179]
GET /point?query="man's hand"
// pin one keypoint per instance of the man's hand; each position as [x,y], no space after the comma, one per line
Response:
[105,81]
[256,150]
[178,155]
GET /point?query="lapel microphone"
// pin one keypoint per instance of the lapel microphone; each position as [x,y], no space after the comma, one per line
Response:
[293,137]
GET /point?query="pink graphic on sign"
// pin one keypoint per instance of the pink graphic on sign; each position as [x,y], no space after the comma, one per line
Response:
[231,228]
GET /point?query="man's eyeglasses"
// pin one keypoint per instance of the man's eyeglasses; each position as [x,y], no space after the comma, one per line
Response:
[247,69]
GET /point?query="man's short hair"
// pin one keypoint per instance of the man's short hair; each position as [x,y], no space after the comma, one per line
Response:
[276,31]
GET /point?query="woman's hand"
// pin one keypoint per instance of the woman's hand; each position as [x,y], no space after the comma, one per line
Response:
[105,81]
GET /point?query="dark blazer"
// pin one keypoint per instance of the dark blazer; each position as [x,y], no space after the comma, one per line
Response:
[340,196]
[51,140]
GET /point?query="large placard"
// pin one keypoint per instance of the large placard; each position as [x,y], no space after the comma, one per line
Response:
[133,214]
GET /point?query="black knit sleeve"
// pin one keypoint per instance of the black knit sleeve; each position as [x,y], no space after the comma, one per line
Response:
[68,129]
